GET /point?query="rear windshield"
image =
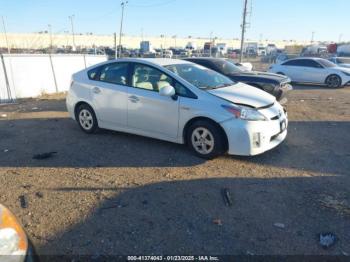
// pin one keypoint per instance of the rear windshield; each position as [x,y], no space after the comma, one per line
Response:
[326,63]
[227,67]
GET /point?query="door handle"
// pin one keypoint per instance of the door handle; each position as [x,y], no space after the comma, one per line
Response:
[96,90]
[134,99]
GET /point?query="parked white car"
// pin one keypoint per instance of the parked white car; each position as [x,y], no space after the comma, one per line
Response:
[313,70]
[177,101]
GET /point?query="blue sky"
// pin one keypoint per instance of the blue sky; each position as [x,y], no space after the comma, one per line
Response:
[270,19]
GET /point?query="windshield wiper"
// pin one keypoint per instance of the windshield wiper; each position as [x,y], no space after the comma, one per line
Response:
[224,85]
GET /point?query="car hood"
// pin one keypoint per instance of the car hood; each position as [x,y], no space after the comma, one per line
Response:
[344,65]
[262,75]
[243,94]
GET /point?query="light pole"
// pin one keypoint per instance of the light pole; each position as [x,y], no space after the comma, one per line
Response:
[211,42]
[312,37]
[243,29]
[5,32]
[340,37]
[175,36]
[71,18]
[50,32]
[121,30]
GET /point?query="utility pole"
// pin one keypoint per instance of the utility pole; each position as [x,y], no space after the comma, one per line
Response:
[340,37]
[211,43]
[121,28]
[5,32]
[175,36]
[243,29]
[115,45]
[312,37]
[50,32]
[71,18]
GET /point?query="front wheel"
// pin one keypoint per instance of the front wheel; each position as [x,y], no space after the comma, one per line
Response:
[206,139]
[333,81]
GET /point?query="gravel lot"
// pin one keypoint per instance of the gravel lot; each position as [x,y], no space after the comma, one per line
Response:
[114,193]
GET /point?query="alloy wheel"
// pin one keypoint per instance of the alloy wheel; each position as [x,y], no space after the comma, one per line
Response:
[202,140]
[86,120]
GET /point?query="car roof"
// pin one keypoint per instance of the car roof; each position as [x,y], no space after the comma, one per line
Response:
[157,61]
[204,58]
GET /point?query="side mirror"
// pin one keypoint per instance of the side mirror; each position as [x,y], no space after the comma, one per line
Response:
[167,91]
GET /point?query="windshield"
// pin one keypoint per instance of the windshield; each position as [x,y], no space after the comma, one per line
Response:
[227,67]
[200,76]
[326,63]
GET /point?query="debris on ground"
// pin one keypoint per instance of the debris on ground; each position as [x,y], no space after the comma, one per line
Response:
[226,196]
[39,194]
[35,108]
[217,221]
[340,205]
[6,150]
[23,201]
[327,240]
[44,155]
[279,225]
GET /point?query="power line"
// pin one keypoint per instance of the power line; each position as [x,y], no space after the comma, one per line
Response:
[154,4]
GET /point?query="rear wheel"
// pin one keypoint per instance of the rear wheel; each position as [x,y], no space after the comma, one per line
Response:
[333,81]
[206,139]
[86,119]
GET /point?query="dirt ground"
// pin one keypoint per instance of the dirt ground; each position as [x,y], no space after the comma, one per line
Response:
[115,193]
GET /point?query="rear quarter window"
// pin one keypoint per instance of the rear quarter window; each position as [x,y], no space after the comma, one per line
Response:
[92,74]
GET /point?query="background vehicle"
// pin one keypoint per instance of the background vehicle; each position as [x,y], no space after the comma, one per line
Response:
[14,243]
[284,57]
[261,50]
[313,70]
[343,50]
[274,84]
[177,101]
[341,61]
[271,49]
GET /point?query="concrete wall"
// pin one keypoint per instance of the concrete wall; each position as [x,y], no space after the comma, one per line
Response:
[35,41]
[33,75]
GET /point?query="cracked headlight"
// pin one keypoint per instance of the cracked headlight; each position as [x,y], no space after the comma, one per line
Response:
[13,240]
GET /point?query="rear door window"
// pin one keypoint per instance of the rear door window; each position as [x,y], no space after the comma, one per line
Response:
[116,73]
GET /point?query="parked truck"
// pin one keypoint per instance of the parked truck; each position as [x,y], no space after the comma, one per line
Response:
[146,47]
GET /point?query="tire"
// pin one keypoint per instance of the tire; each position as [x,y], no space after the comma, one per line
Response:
[209,146]
[333,81]
[86,119]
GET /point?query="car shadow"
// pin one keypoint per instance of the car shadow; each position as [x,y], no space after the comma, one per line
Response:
[326,152]
[191,217]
